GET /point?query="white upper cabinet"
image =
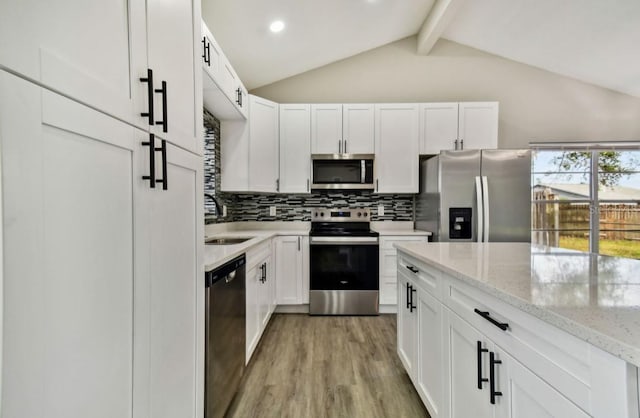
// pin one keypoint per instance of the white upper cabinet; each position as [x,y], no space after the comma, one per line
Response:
[438,127]
[263,145]
[224,94]
[96,52]
[295,148]
[342,129]
[326,128]
[478,125]
[358,128]
[458,126]
[396,141]
[171,55]
[77,47]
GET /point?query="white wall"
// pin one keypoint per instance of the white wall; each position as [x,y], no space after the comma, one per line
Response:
[535,105]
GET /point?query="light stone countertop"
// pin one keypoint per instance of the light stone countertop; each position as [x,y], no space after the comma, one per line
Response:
[595,298]
[397,228]
[216,255]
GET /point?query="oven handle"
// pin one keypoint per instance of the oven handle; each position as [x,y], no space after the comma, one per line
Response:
[344,241]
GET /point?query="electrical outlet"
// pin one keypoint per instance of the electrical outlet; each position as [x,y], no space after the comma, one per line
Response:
[272,211]
[380,210]
[224,210]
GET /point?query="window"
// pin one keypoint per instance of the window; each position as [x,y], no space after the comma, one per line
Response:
[587,198]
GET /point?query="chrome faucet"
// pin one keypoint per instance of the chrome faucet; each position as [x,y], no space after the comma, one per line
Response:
[215,202]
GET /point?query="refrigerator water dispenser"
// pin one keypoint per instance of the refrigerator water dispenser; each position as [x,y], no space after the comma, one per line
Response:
[460,223]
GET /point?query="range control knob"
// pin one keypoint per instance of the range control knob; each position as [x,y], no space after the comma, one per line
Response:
[365,214]
[359,214]
[315,214]
[322,214]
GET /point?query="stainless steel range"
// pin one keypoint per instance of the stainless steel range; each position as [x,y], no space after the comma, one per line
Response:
[344,265]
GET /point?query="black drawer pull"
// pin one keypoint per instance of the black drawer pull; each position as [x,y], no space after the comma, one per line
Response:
[492,378]
[408,300]
[486,315]
[412,269]
[206,54]
[479,351]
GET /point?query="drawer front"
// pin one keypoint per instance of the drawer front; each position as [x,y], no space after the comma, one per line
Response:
[557,357]
[425,277]
[386,243]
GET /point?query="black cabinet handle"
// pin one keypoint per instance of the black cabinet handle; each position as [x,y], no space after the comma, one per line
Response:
[149,80]
[412,269]
[486,315]
[163,150]
[206,53]
[152,161]
[239,96]
[479,351]
[492,378]
[462,144]
[408,297]
[412,306]
[163,91]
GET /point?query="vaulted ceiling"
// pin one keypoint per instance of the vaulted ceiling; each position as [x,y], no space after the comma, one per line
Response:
[591,40]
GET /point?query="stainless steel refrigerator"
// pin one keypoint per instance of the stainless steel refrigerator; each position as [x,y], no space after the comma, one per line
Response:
[476,195]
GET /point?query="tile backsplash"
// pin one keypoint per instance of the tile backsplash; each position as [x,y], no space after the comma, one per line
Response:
[293,207]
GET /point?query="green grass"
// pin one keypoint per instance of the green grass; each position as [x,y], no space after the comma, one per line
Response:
[619,248]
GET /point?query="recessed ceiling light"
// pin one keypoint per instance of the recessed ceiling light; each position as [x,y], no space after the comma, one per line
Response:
[277,26]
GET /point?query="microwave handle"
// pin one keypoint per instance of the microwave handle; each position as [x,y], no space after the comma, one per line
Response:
[345,145]
[362,171]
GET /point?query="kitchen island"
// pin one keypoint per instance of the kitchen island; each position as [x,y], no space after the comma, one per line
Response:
[513,329]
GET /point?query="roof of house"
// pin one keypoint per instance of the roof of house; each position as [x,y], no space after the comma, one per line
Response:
[581,191]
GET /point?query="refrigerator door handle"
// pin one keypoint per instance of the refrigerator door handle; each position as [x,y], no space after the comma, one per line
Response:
[479,210]
[485,210]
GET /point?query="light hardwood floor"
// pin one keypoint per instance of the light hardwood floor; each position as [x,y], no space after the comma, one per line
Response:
[327,366]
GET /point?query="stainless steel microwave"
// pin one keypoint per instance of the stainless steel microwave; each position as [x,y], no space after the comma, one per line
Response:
[342,171]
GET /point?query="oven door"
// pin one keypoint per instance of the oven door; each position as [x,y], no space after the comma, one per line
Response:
[344,263]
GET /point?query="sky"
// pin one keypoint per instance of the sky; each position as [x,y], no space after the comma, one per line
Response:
[543,161]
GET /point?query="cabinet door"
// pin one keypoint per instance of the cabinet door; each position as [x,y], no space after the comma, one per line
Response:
[396,148]
[358,126]
[304,273]
[263,145]
[211,53]
[430,371]
[461,361]
[172,56]
[252,319]
[406,327]
[170,244]
[478,125]
[289,270]
[295,148]
[264,297]
[326,129]
[438,127]
[77,47]
[68,194]
[528,396]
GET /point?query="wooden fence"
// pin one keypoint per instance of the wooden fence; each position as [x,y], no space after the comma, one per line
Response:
[617,221]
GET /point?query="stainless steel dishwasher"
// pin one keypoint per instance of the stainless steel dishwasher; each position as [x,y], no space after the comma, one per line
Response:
[225,334]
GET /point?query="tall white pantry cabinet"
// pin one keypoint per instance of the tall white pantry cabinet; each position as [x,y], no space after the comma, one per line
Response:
[101,161]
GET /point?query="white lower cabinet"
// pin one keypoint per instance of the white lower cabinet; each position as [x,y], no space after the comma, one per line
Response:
[464,365]
[292,269]
[260,288]
[389,265]
[419,333]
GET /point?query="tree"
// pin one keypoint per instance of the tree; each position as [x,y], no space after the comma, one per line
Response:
[611,165]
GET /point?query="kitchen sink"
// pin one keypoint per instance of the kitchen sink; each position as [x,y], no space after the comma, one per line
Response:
[226,241]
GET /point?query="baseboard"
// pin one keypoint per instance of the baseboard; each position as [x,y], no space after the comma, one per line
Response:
[293,309]
[388,309]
